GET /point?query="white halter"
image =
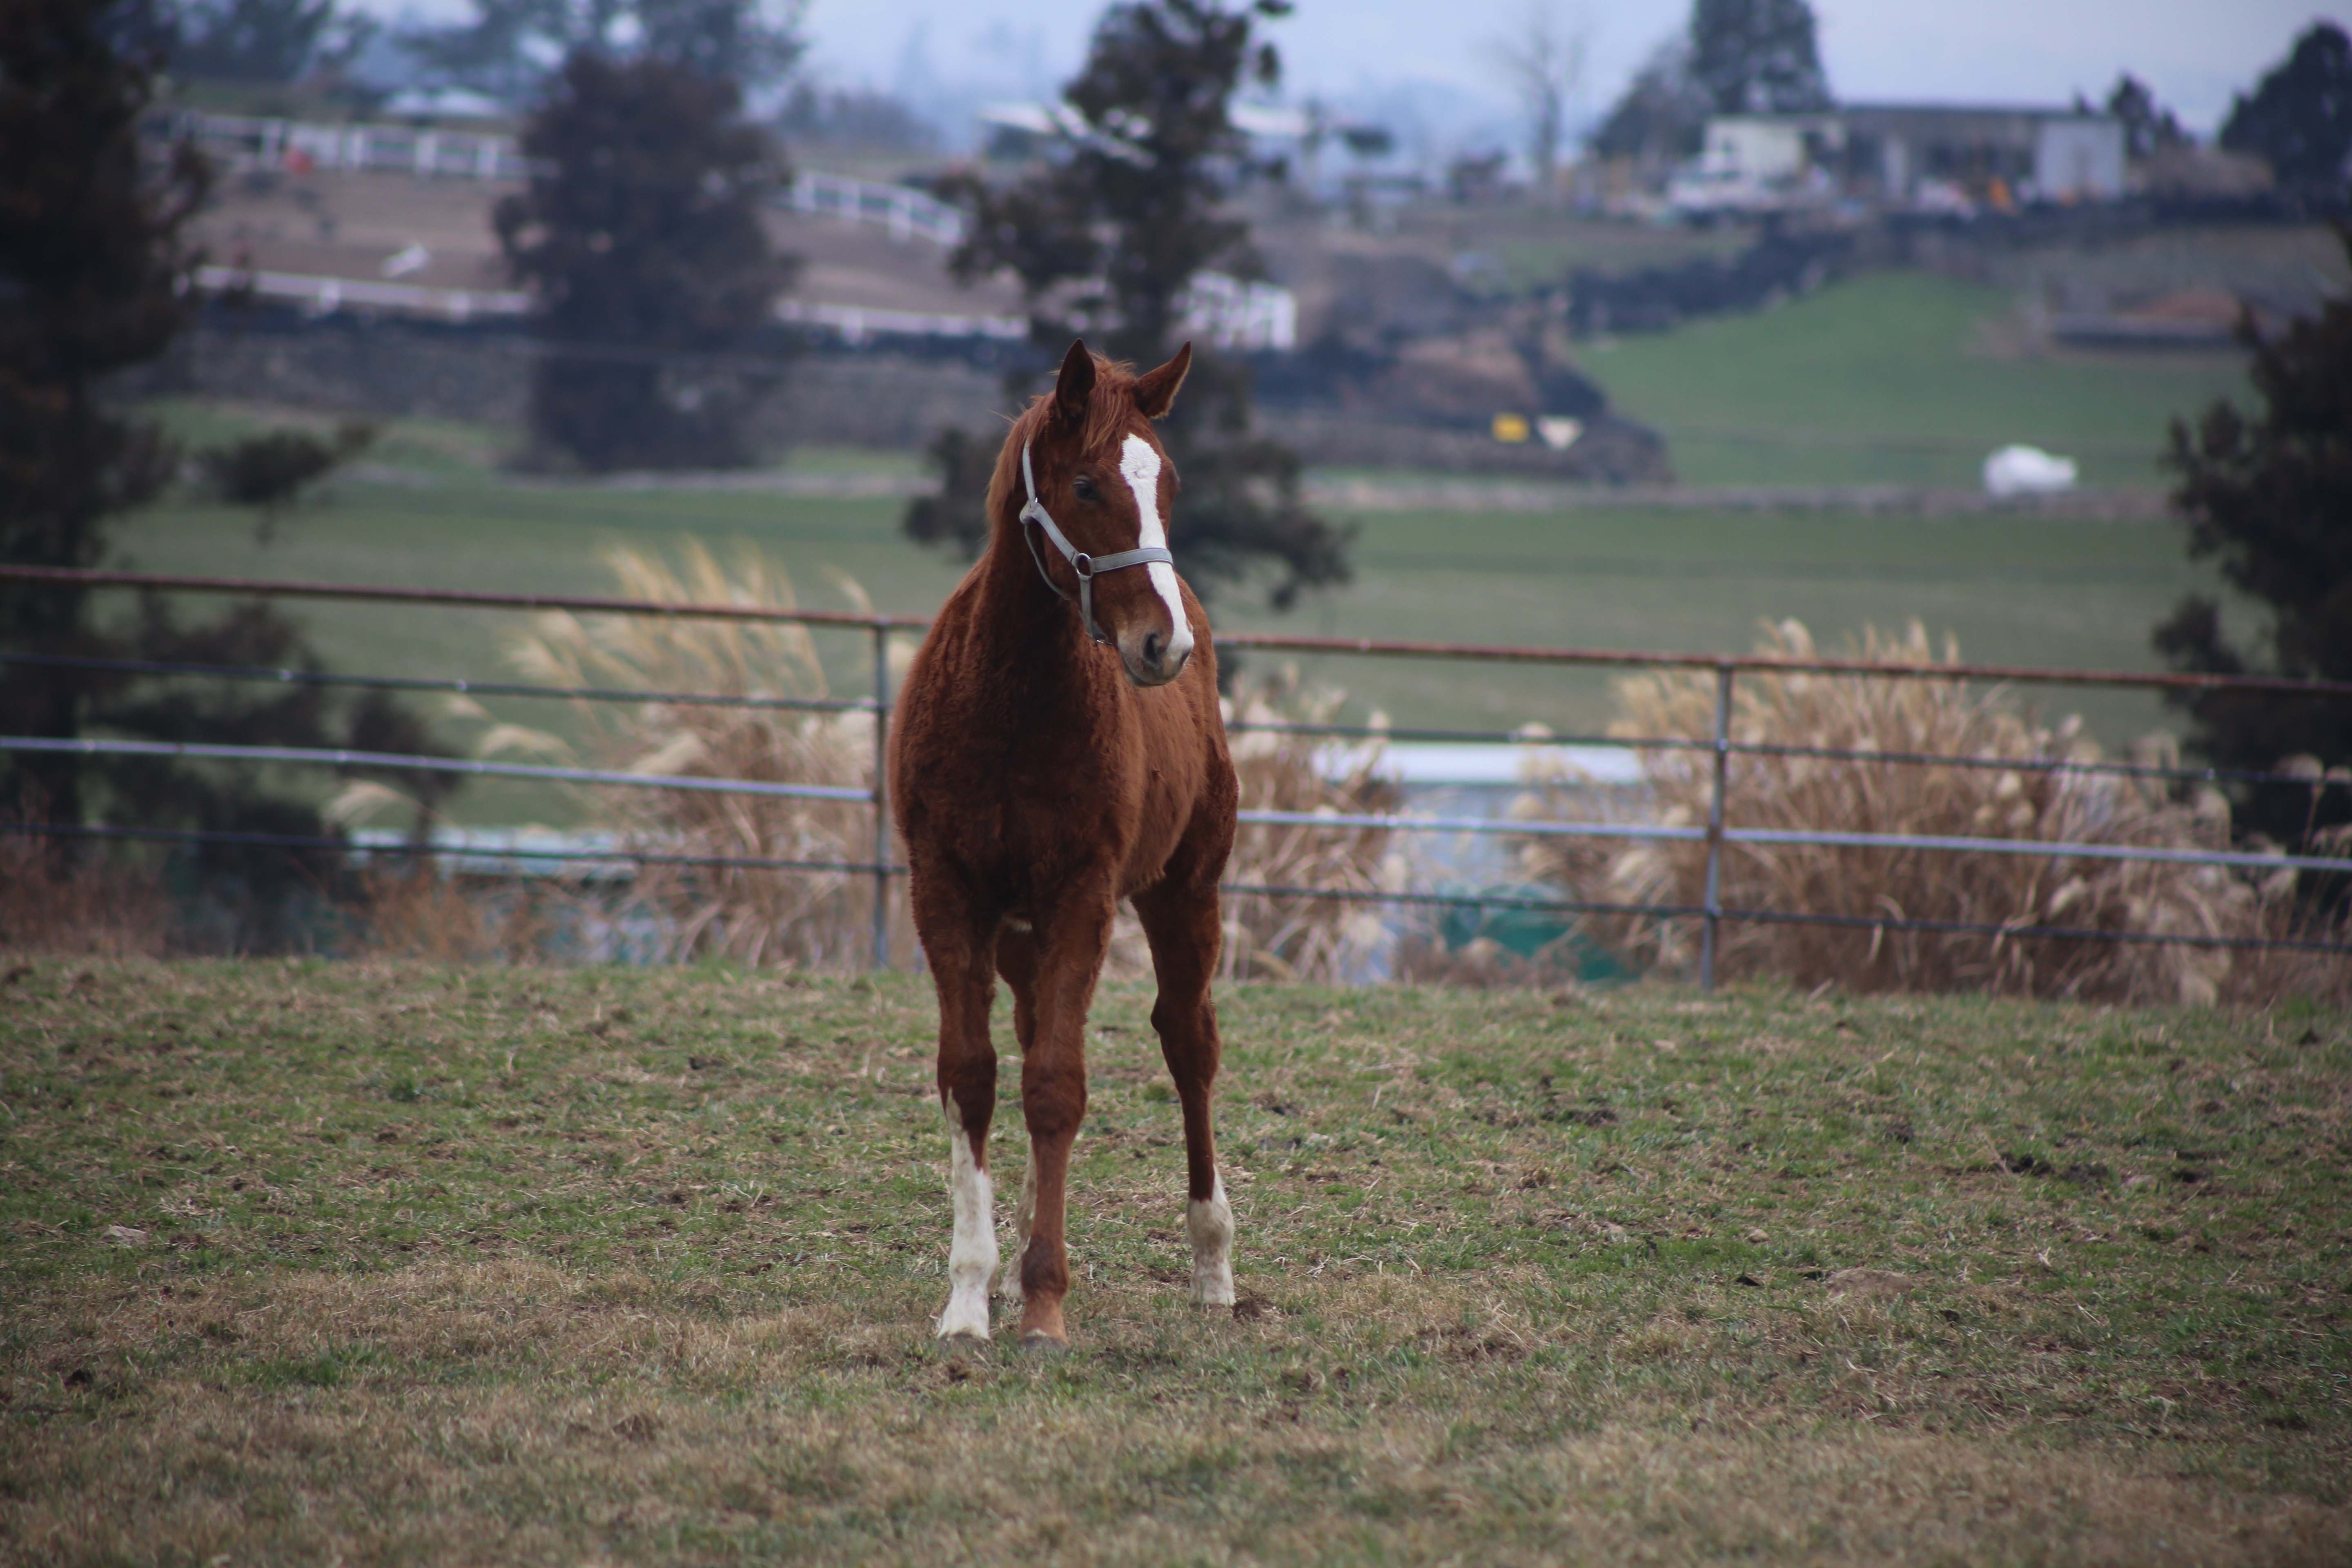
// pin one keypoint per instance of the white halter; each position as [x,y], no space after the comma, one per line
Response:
[1086,567]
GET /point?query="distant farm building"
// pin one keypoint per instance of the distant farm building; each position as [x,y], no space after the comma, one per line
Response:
[1931,156]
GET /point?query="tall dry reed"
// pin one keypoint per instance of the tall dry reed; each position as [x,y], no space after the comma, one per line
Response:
[1921,716]
[754,916]
[1292,936]
[77,900]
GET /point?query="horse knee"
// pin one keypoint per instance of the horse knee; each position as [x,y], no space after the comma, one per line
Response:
[969,1087]
[1053,1104]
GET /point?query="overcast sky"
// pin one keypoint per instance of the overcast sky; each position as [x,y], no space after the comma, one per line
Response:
[1413,61]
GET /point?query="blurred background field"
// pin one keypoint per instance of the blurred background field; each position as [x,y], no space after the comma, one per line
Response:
[1882,380]
[1900,378]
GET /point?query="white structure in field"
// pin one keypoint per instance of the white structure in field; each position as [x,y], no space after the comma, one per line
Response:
[2027,471]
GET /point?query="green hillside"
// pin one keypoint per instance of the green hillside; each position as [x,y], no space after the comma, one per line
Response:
[1897,377]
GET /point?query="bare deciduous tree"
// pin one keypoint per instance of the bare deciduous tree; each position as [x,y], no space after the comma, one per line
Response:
[1544,61]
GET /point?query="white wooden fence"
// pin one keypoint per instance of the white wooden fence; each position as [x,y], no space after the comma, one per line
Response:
[246,142]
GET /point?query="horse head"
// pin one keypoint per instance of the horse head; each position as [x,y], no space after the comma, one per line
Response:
[1098,486]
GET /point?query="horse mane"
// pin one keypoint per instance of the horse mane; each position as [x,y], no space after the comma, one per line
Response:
[1108,409]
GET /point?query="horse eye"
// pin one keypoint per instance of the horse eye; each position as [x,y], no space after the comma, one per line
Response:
[1086,488]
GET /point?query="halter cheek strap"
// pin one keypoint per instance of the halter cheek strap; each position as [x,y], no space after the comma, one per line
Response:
[1088,567]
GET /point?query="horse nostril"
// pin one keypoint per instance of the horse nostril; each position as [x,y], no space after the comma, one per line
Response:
[1151,648]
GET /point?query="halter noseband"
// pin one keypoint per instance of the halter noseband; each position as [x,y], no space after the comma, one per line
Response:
[1086,567]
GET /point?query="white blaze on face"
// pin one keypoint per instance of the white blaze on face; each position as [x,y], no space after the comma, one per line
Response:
[971,1257]
[1139,464]
[1211,1223]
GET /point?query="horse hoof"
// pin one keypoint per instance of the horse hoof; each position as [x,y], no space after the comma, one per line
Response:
[1043,1343]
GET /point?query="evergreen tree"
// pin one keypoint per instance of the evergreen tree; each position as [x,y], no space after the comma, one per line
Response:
[2148,126]
[1108,238]
[2299,118]
[2269,495]
[645,243]
[95,267]
[1662,117]
[266,40]
[1756,56]
[500,51]
[95,274]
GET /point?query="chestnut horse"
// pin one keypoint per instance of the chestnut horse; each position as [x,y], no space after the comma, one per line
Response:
[1057,749]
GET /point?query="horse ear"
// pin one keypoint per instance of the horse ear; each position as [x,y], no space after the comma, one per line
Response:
[1076,385]
[1155,390]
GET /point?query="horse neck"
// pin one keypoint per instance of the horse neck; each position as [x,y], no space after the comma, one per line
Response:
[1019,622]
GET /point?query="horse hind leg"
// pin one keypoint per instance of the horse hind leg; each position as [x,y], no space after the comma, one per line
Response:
[1069,955]
[1182,922]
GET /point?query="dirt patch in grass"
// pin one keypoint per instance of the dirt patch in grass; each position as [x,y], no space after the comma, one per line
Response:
[414,1263]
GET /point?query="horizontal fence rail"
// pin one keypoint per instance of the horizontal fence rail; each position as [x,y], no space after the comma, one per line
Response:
[1720,834]
[565,853]
[460,688]
[401,762]
[1769,664]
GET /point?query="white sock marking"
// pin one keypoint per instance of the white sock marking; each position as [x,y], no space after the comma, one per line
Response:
[971,1257]
[1211,1223]
[1138,465]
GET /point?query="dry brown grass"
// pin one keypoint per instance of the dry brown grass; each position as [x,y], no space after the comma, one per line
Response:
[411,911]
[818,920]
[623,1417]
[75,899]
[1293,936]
[1924,716]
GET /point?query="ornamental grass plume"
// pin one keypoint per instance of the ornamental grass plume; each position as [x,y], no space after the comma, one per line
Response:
[1293,936]
[1948,717]
[753,915]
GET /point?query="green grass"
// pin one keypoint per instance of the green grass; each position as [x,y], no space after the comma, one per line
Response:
[2074,595]
[1889,377]
[2021,590]
[417,1264]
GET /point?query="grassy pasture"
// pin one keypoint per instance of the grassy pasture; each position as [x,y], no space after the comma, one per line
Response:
[1899,378]
[423,1264]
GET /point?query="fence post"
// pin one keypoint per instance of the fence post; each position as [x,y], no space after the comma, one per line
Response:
[1707,939]
[881,795]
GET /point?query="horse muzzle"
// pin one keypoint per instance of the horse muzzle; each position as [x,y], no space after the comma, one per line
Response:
[1154,657]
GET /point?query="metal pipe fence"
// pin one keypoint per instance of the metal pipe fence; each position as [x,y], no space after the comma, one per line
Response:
[1719,834]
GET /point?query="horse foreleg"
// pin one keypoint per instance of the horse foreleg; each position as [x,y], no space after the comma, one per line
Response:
[967,1080]
[1181,920]
[1053,1103]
